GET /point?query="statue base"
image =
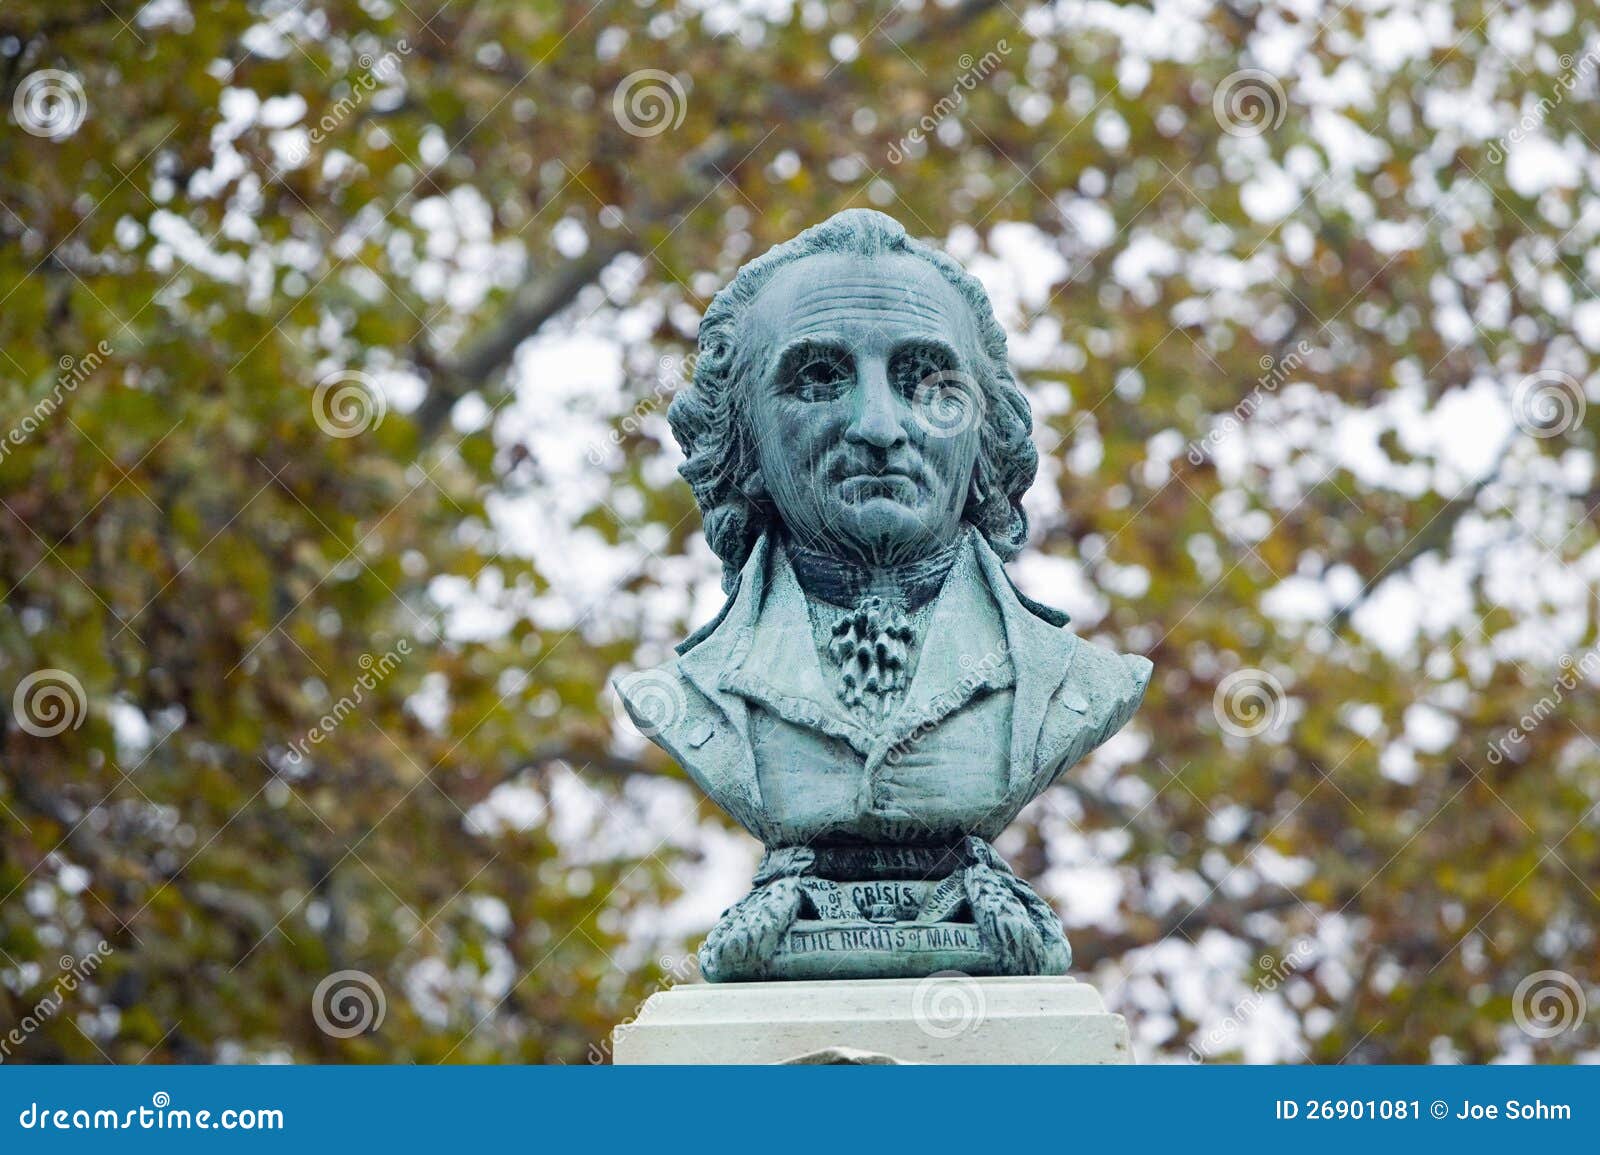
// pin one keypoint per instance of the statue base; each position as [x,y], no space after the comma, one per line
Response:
[857,949]
[885,912]
[954,1018]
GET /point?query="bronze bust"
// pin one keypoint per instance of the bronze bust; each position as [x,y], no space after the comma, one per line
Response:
[876,701]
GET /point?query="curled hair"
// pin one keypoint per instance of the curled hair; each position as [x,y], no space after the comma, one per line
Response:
[708,417]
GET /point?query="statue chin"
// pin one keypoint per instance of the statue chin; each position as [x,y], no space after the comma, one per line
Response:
[881,530]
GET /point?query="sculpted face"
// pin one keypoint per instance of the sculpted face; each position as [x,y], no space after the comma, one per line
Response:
[865,404]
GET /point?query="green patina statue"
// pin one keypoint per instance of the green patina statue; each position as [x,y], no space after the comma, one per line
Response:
[876,700]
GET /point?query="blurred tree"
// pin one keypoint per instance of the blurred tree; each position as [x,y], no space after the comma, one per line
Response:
[311,584]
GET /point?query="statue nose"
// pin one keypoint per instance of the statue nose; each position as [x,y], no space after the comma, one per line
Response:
[878,418]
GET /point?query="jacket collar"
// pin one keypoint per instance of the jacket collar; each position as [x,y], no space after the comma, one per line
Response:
[964,651]
[781,670]
[778,668]
[1041,654]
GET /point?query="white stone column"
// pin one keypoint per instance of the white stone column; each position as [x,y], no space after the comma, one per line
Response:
[949,1018]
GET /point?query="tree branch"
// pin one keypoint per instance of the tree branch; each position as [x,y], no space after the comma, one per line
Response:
[548,292]
[537,301]
[1435,535]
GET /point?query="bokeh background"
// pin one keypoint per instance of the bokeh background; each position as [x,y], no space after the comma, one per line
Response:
[336,339]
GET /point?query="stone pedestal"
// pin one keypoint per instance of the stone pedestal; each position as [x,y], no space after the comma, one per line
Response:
[941,1019]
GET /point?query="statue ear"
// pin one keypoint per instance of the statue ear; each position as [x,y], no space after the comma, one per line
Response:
[976,494]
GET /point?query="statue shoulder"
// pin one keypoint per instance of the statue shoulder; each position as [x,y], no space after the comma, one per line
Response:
[1098,696]
[1104,684]
[657,699]
[667,707]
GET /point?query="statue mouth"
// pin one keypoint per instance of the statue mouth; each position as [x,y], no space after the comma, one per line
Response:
[888,469]
[882,475]
[862,486]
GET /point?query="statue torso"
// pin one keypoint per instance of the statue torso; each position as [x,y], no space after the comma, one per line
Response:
[998,702]
[912,778]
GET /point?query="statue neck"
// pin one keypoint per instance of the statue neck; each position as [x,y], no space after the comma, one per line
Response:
[844,583]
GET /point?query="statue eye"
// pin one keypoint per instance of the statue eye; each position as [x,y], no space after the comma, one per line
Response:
[919,370]
[820,374]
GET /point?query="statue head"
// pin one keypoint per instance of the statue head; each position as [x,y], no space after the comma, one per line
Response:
[851,386]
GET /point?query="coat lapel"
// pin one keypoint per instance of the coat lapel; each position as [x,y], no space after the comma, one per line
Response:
[964,653]
[722,649]
[1041,654]
[780,670]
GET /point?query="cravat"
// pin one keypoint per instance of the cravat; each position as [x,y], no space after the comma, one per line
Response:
[870,647]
